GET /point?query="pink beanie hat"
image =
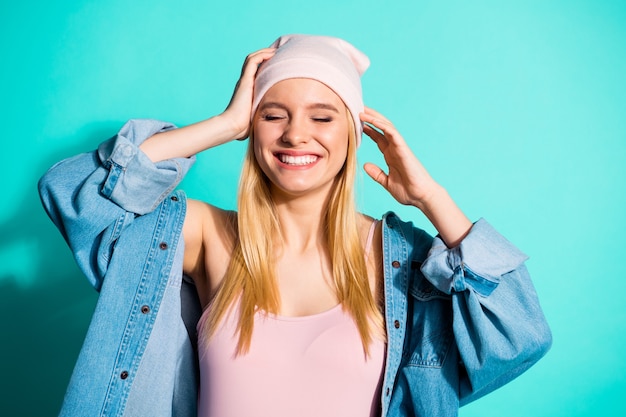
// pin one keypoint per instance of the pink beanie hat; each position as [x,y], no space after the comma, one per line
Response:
[331,61]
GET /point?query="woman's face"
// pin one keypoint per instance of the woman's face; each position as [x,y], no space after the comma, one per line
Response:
[301,136]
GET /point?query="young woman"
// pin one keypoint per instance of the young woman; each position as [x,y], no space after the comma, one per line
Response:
[307,307]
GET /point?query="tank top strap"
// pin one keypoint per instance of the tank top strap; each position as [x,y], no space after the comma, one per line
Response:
[370,238]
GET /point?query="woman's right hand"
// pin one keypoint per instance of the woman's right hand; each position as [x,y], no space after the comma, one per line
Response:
[233,123]
[238,111]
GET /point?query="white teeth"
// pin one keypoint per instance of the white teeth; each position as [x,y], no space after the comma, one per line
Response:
[297,160]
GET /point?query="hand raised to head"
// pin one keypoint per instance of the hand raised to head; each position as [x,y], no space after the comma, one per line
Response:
[407,180]
[240,105]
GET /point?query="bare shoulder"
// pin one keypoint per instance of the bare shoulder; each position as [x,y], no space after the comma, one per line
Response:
[373,252]
[366,223]
[209,233]
[202,218]
[371,228]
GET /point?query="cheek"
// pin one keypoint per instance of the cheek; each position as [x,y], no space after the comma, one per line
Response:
[261,136]
[266,131]
[264,136]
[258,154]
[338,143]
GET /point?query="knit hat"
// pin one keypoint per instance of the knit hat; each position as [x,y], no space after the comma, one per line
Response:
[332,61]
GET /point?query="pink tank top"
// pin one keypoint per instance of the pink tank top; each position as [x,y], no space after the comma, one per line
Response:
[296,366]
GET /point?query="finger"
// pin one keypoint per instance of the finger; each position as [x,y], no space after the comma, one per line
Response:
[253,60]
[377,115]
[261,54]
[376,173]
[377,137]
[382,124]
[373,132]
[378,122]
[381,130]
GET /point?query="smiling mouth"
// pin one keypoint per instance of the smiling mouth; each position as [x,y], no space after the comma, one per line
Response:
[297,160]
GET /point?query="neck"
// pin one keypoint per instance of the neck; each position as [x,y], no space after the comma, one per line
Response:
[302,220]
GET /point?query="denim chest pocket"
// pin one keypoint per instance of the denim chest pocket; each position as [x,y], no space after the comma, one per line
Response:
[430,320]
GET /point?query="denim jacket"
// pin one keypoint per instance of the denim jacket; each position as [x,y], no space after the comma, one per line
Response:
[460,322]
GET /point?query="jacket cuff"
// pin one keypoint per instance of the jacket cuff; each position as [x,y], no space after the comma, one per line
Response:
[477,263]
[134,182]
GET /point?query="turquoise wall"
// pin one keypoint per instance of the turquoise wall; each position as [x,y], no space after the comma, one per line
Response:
[517,107]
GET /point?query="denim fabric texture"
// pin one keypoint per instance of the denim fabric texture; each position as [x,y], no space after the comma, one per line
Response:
[461,322]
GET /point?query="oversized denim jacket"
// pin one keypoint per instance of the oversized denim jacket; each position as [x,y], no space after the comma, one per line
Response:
[460,322]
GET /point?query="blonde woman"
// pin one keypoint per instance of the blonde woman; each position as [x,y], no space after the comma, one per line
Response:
[306,306]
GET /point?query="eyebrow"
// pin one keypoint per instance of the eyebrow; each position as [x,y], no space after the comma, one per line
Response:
[320,105]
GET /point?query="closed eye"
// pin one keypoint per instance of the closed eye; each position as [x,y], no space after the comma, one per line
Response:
[272,117]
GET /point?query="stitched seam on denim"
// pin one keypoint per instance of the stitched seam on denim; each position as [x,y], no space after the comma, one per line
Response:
[482,286]
[441,353]
[133,333]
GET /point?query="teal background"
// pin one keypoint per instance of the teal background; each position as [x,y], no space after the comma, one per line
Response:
[517,108]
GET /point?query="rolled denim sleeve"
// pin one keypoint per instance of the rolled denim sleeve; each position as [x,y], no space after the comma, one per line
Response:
[94,196]
[133,181]
[478,262]
[499,326]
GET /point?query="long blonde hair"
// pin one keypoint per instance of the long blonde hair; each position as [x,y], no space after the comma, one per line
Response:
[251,277]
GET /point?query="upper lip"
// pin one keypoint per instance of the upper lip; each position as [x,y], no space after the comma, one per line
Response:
[292,152]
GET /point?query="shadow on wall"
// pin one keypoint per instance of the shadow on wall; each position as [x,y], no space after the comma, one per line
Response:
[45,308]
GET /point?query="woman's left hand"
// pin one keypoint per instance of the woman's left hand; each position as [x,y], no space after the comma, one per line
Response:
[407,180]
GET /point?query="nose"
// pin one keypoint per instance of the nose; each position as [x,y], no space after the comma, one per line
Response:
[295,132]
